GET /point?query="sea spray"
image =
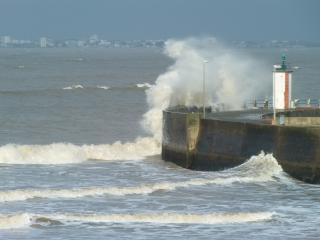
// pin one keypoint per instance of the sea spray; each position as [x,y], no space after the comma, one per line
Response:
[232,78]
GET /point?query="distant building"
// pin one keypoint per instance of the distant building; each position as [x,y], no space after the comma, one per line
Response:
[81,43]
[93,39]
[5,41]
[43,42]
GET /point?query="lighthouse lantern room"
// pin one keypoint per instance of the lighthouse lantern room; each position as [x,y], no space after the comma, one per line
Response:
[282,77]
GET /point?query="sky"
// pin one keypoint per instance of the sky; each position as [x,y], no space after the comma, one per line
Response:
[254,20]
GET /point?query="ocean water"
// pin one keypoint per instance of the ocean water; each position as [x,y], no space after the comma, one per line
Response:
[76,162]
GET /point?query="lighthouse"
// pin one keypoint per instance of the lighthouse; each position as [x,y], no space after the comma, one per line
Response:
[282,78]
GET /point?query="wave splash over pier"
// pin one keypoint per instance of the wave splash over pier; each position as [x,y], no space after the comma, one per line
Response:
[177,86]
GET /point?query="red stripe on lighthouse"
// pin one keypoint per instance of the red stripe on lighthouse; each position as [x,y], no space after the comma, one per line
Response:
[286,91]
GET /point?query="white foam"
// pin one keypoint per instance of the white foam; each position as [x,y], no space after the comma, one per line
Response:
[57,153]
[258,169]
[66,153]
[136,150]
[14,221]
[24,194]
[78,86]
[103,87]
[144,85]
[166,218]
[261,168]
[25,220]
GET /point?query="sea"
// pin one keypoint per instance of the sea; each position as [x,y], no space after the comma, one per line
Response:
[76,161]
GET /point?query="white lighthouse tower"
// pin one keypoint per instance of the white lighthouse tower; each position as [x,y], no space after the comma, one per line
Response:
[282,78]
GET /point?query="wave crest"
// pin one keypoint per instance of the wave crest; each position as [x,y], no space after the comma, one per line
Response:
[34,220]
[170,218]
[66,153]
[143,85]
[103,87]
[15,221]
[262,167]
[78,86]
[258,169]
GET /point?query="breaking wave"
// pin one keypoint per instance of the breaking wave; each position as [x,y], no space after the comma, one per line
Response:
[34,220]
[73,87]
[179,85]
[170,218]
[128,87]
[139,86]
[103,87]
[66,153]
[261,168]
[143,85]
[21,195]
[15,221]
[78,86]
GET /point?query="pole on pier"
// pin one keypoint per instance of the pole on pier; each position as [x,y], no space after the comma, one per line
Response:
[204,87]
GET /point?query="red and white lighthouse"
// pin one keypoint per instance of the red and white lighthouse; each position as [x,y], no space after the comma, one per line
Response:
[282,78]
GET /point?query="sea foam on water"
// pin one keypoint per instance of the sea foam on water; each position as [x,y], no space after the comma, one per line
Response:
[24,220]
[67,153]
[258,169]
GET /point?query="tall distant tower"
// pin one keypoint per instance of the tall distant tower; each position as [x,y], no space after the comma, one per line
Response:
[282,77]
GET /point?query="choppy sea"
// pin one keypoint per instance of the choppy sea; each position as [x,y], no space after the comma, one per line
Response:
[76,162]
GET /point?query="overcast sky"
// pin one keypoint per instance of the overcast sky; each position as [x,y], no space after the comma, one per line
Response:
[162,19]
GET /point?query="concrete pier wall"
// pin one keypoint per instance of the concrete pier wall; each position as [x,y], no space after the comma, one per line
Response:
[297,150]
[302,121]
[224,144]
[180,134]
[215,144]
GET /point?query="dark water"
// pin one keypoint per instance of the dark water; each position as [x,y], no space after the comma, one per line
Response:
[103,190]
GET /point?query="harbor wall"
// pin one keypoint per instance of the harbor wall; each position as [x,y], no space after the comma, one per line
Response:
[215,144]
[179,139]
[298,152]
[302,121]
[224,144]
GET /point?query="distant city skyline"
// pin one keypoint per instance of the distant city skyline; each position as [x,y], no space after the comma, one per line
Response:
[255,20]
[95,41]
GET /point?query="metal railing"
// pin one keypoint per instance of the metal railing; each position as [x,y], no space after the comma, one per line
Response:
[297,103]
